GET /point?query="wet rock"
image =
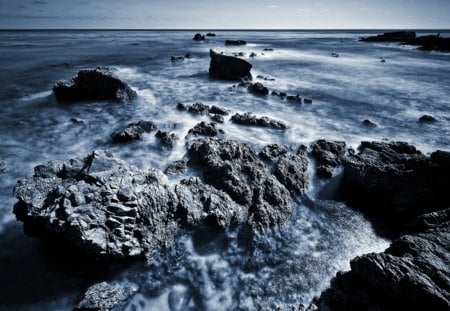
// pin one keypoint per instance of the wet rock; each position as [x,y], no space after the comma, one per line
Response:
[167,139]
[228,67]
[188,56]
[234,168]
[133,131]
[176,58]
[272,152]
[249,119]
[94,84]
[177,167]
[217,118]
[181,107]
[107,296]
[210,34]
[202,109]
[268,49]
[258,89]
[396,36]
[198,108]
[394,182]
[294,98]
[412,274]
[328,155]
[369,123]
[205,129]
[77,121]
[307,101]
[265,78]
[198,37]
[279,94]
[235,42]
[218,110]
[252,54]
[427,119]
[291,170]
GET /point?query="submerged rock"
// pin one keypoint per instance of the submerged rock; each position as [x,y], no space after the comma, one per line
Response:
[258,89]
[167,139]
[94,84]
[133,131]
[107,296]
[328,155]
[228,67]
[272,152]
[205,129]
[427,119]
[235,42]
[249,119]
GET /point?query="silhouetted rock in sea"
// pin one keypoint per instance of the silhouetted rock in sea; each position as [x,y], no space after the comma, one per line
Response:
[427,118]
[107,296]
[328,155]
[396,36]
[258,89]
[94,84]
[210,34]
[228,67]
[235,42]
[369,123]
[198,37]
[249,119]
[133,131]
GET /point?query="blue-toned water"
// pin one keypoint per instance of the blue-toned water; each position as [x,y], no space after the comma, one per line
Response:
[287,266]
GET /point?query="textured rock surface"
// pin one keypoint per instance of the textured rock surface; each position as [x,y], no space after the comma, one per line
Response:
[205,129]
[328,155]
[107,296]
[94,84]
[258,89]
[228,67]
[291,170]
[176,167]
[167,139]
[272,152]
[249,119]
[133,131]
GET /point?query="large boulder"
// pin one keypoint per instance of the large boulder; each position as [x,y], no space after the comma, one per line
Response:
[94,84]
[228,68]
[291,170]
[328,155]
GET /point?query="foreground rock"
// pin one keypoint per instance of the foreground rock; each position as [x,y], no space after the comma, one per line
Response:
[291,171]
[412,274]
[249,119]
[228,67]
[107,296]
[167,139]
[94,84]
[328,154]
[272,152]
[133,131]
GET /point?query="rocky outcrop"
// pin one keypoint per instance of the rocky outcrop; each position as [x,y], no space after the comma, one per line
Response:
[328,155]
[176,167]
[210,34]
[133,131]
[228,67]
[107,296]
[258,89]
[235,42]
[94,84]
[427,119]
[291,171]
[198,37]
[396,36]
[249,119]
[412,274]
[167,139]
[234,168]
[368,123]
[206,129]
[272,152]
[202,109]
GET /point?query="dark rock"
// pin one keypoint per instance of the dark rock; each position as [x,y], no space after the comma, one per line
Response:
[198,108]
[176,167]
[235,42]
[167,139]
[272,152]
[217,118]
[176,58]
[94,84]
[188,56]
[279,94]
[294,98]
[328,155]
[396,36]
[205,129]
[307,101]
[258,89]
[427,118]
[291,171]
[268,49]
[265,78]
[198,37]
[202,109]
[133,131]
[228,67]
[234,168]
[252,54]
[107,296]
[218,110]
[181,106]
[77,121]
[210,34]
[249,119]
[369,123]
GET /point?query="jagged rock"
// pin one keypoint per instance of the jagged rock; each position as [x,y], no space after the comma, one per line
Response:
[94,84]
[291,170]
[210,34]
[198,37]
[181,106]
[201,109]
[205,129]
[167,139]
[176,167]
[235,42]
[412,274]
[198,108]
[427,119]
[307,100]
[395,182]
[234,168]
[369,123]
[328,155]
[258,89]
[133,131]
[218,110]
[272,152]
[396,36]
[249,119]
[217,118]
[294,98]
[228,67]
[107,296]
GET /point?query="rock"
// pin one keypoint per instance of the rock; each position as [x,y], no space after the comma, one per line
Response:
[77,121]
[101,205]
[167,139]
[217,118]
[427,119]
[258,89]
[369,123]
[177,167]
[252,54]
[412,274]
[396,36]
[176,58]
[107,296]
[94,84]
[202,109]
[133,131]
[394,182]
[210,34]
[272,152]
[294,98]
[198,37]
[188,56]
[249,119]
[265,79]
[279,94]
[228,67]
[234,168]
[205,129]
[268,49]
[235,42]
[181,106]
[218,110]
[198,108]
[328,155]
[291,171]
[307,101]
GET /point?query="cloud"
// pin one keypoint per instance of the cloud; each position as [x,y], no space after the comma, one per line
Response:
[274,6]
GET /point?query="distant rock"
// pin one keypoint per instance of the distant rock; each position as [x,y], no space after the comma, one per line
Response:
[258,89]
[396,36]
[228,67]
[176,58]
[77,121]
[133,131]
[210,34]
[107,296]
[328,155]
[272,152]
[307,101]
[427,118]
[218,110]
[181,107]
[206,129]
[2,166]
[294,98]
[282,95]
[265,78]
[249,119]
[198,37]
[235,42]
[188,56]
[167,139]
[94,84]
[268,49]
[369,123]
[252,54]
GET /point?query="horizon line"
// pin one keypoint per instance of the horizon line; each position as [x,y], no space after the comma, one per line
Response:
[226,29]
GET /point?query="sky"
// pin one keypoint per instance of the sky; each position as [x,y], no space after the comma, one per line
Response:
[225,14]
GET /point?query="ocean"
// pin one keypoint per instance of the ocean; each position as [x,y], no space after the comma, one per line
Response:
[285,267]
